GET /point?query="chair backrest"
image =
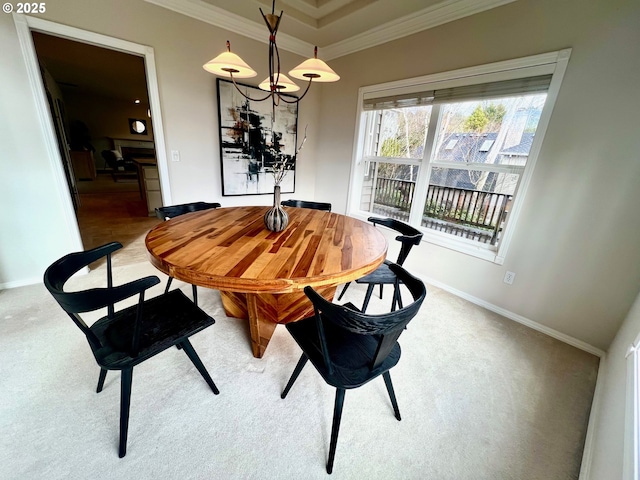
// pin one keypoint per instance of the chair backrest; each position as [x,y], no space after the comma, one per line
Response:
[409,237]
[77,302]
[387,326]
[112,158]
[305,204]
[164,213]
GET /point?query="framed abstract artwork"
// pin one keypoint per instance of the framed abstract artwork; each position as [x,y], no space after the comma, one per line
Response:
[253,138]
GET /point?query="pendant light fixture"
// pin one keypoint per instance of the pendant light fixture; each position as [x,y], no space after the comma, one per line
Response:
[230,65]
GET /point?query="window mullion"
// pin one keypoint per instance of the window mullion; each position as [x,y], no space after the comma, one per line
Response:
[398,160]
[422,183]
[481,167]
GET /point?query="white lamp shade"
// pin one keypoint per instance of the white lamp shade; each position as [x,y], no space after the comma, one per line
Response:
[284,84]
[227,63]
[315,69]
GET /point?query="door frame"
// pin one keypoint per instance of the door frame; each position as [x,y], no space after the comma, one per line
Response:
[24,26]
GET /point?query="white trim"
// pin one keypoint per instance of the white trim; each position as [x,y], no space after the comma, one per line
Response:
[221,18]
[551,62]
[355,181]
[50,140]
[520,67]
[594,415]
[541,130]
[518,318]
[35,281]
[631,447]
[20,283]
[443,12]
[24,25]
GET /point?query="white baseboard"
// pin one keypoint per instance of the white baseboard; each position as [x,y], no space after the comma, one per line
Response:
[33,281]
[519,318]
[587,453]
[20,283]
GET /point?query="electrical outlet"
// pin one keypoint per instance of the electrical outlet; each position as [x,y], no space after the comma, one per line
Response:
[509,277]
[175,155]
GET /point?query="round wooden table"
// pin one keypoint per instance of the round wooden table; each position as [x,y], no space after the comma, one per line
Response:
[261,274]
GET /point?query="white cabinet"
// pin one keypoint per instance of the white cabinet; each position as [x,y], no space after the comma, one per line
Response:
[152,188]
[149,181]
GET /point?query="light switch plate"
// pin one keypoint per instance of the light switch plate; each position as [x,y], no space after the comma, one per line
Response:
[175,155]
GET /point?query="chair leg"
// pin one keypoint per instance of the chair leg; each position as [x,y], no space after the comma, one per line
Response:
[166,290]
[392,395]
[344,290]
[335,428]
[103,376]
[381,285]
[125,402]
[367,296]
[193,356]
[195,295]
[301,363]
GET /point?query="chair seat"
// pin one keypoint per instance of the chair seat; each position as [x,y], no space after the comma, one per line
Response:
[381,275]
[350,353]
[167,320]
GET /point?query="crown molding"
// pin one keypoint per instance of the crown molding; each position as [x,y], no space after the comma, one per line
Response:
[235,23]
[430,17]
[444,12]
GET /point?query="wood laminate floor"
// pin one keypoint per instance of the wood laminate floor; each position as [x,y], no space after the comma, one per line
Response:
[121,217]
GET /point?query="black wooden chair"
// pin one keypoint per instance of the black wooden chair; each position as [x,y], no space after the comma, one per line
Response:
[165,213]
[120,167]
[409,236]
[349,348]
[127,337]
[306,204]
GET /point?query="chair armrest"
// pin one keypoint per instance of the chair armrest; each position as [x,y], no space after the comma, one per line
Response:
[96,298]
[415,239]
[82,259]
[378,220]
[122,292]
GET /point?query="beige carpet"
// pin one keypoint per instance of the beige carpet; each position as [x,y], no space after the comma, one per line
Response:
[481,397]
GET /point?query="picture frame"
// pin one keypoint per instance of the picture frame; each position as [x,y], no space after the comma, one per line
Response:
[137,126]
[251,132]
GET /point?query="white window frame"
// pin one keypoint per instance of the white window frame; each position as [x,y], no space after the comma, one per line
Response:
[631,464]
[554,63]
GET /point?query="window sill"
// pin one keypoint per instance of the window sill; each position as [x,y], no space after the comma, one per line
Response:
[462,246]
[466,247]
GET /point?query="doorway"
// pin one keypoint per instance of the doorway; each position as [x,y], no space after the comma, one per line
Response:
[105,205]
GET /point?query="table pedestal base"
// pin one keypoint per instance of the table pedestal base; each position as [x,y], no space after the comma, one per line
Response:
[265,310]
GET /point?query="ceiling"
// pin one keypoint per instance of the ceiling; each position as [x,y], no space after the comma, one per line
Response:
[80,68]
[337,27]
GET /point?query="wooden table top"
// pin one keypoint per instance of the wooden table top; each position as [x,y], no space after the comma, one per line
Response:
[230,249]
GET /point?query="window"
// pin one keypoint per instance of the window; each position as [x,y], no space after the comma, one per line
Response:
[631,465]
[453,153]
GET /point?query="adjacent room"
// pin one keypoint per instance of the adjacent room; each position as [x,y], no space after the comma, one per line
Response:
[455,177]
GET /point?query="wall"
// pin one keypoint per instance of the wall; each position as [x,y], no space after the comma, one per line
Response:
[32,220]
[608,446]
[106,118]
[31,235]
[576,251]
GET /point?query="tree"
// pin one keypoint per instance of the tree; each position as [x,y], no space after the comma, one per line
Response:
[485,118]
[392,147]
